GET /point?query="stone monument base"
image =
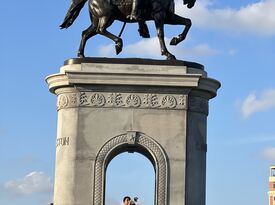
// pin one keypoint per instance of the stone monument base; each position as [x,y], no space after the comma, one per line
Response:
[109,106]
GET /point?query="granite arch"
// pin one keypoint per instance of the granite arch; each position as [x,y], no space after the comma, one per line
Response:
[131,142]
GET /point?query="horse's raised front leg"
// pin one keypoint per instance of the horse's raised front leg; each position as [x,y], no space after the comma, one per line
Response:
[86,34]
[160,32]
[104,23]
[174,19]
[116,39]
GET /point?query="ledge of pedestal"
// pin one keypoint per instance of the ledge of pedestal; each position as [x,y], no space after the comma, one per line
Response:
[133,61]
[133,72]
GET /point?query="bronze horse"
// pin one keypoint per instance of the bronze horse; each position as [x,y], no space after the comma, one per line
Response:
[104,12]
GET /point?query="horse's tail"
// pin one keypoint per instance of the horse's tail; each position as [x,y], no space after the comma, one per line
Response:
[72,13]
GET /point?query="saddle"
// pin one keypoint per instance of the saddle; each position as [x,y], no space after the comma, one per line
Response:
[143,28]
[120,2]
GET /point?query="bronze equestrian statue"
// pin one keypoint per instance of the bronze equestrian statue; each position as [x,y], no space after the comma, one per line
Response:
[104,12]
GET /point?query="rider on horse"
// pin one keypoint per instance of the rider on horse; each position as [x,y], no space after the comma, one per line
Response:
[104,12]
[77,5]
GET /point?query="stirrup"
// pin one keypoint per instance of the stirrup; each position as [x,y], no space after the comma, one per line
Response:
[134,17]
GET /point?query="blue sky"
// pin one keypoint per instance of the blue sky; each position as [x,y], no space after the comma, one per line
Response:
[235,40]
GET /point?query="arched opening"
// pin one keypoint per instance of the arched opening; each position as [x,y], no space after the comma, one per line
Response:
[131,142]
[130,174]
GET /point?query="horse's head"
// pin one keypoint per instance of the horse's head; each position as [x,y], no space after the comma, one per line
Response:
[190,3]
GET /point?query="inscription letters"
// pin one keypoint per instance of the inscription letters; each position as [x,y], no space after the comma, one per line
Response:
[63,141]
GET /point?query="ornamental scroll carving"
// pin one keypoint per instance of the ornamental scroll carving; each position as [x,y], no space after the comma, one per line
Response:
[122,100]
[132,139]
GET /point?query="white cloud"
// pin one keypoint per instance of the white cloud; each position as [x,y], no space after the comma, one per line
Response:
[253,103]
[201,50]
[257,18]
[145,47]
[150,48]
[107,50]
[34,182]
[142,48]
[269,153]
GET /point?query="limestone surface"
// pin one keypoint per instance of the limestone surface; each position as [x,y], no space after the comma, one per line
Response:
[106,108]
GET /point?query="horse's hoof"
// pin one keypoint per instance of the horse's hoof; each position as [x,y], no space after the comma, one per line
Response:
[190,5]
[174,41]
[171,57]
[144,35]
[144,32]
[118,48]
[80,55]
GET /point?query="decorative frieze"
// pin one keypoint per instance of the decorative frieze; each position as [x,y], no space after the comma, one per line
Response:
[122,100]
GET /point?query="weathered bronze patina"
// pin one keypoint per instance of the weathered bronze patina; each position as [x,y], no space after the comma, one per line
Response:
[104,12]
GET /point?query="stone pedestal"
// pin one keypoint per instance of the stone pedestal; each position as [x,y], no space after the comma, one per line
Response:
[109,106]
